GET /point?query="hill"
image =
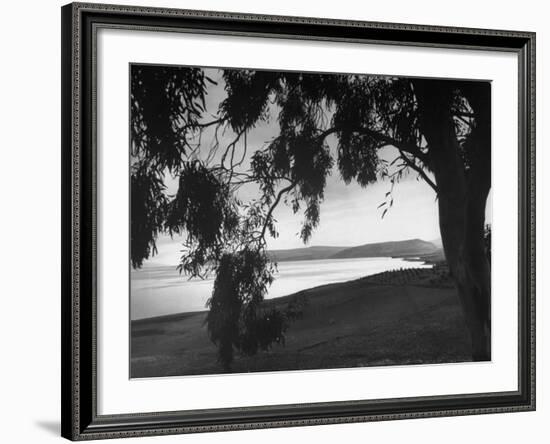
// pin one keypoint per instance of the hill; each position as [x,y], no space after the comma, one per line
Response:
[406,248]
[305,254]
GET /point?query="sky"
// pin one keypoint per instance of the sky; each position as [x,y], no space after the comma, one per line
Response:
[349,215]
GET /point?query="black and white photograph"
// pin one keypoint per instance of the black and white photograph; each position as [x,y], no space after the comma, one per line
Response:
[286,220]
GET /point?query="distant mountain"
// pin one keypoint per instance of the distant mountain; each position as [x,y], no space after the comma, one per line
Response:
[304,254]
[406,248]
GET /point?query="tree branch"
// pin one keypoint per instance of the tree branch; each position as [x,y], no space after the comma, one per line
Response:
[403,147]
[274,205]
[419,170]
[327,133]
[231,146]
[463,114]
[462,119]
[408,147]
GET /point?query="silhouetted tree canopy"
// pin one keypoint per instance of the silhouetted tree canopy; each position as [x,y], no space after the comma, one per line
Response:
[440,129]
[166,104]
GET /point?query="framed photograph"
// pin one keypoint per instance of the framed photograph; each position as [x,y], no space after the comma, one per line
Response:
[281,221]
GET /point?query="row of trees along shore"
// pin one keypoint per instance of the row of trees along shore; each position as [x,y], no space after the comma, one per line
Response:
[440,130]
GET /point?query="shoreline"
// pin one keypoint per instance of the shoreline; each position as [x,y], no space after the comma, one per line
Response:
[432,259]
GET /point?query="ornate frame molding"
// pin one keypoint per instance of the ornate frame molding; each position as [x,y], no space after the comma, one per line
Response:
[80,420]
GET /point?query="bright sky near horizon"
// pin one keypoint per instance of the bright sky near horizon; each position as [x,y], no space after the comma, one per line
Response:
[349,213]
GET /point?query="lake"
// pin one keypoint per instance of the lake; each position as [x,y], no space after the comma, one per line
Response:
[161,290]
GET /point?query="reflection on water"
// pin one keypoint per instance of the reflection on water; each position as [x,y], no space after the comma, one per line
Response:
[161,290]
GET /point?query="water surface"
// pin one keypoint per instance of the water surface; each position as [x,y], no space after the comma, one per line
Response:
[161,290]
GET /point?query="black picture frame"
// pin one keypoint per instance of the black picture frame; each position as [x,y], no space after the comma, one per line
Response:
[79,384]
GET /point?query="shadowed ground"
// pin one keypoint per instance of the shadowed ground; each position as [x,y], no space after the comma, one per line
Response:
[400,317]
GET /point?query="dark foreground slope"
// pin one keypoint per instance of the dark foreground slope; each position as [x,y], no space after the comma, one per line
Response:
[403,317]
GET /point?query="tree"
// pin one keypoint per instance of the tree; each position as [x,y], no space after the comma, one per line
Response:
[487,239]
[440,129]
[167,105]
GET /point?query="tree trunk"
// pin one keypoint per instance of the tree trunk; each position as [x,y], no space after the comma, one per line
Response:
[463,181]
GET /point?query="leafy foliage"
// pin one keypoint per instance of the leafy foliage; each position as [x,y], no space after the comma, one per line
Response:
[247,98]
[205,211]
[241,282]
[148,211]
[364,112]
[165,107]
